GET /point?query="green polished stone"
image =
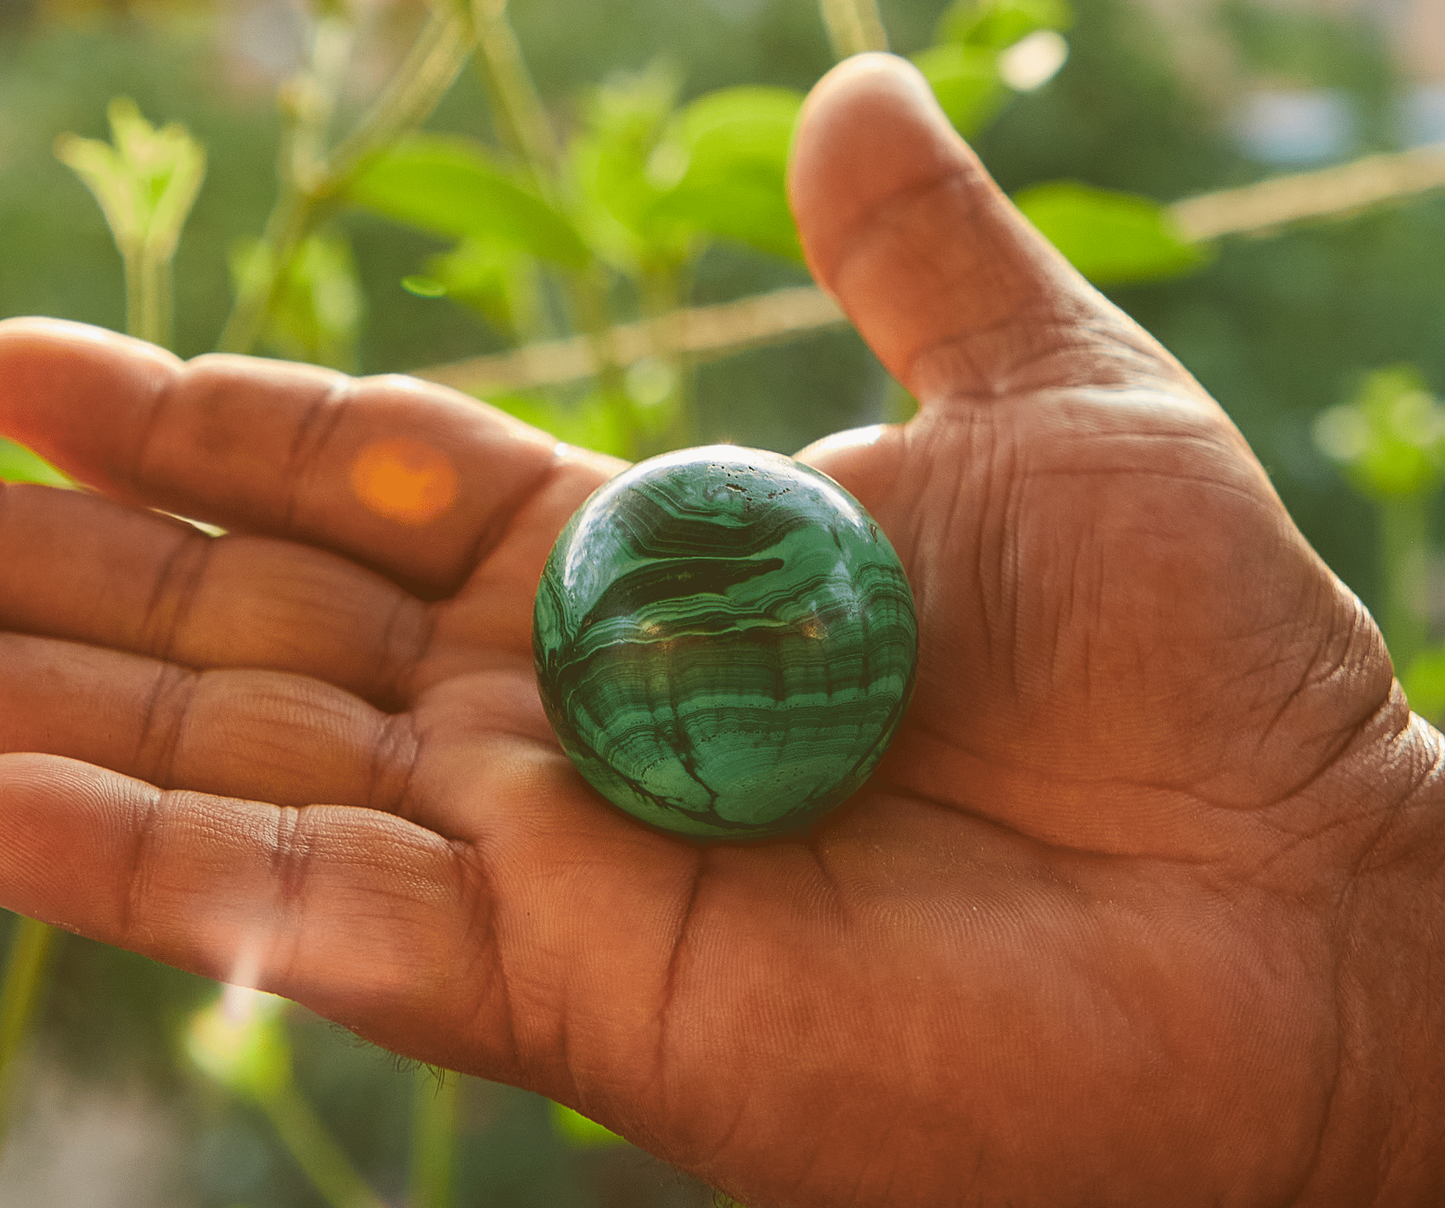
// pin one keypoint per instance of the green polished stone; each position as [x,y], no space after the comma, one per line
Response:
[725,642]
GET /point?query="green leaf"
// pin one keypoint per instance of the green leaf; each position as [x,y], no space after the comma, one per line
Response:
[590,424]
[19,464]
[728,154]
[1424,684]
[114,188]
[145,183]
[170,166]
[1389,439]
[498,281]
[581,1132]
[609,168]
[319,305]
[423,287]
[1110,237]
[450,186]
[749,124]
[239,1041]
[966,82]
[996,24]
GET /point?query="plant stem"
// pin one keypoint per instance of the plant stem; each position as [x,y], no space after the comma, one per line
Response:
[853,26]
[135,305]
[434,1139]
[258,287]
[521,117]
[149,311]
[307,1139]
[523,124]
[588,293]
[1404,542]
[425,76]
[310,178]
[31,946]
[663,289]
[705,331]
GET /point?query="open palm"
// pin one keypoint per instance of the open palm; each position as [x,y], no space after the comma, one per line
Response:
[1078,941]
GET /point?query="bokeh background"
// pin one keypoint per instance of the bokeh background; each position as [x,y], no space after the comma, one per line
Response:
[1323,336]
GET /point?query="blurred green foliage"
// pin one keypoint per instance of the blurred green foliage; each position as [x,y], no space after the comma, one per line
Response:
[18,464]
[719,168]
[673,123]
[145,181]
[1424,684]
[962,64]
[579,1130]
[1390,438]
[454,188]
[1389,441]
[644,184]
[1331,50]
[319,307]
[1109,236]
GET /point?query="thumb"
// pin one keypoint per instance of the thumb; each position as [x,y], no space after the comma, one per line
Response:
[952,287]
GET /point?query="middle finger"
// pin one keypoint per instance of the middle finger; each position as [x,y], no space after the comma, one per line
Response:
[85,569]
[258,735]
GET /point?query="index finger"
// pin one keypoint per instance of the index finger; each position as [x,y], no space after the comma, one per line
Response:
[412,479]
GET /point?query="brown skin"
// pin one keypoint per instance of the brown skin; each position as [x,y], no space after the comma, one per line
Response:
[1141,909]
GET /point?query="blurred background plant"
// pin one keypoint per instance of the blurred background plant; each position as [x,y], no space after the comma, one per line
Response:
[145,181]
[577,212]
[1389,441]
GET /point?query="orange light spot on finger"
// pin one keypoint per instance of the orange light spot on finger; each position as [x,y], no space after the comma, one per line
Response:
[404,479]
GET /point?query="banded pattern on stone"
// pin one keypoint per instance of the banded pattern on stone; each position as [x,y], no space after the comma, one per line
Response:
[725,642]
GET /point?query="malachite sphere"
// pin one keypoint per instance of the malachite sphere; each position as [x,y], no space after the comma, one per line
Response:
[725,642]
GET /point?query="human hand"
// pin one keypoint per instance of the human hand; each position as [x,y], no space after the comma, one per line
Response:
[1129,914]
